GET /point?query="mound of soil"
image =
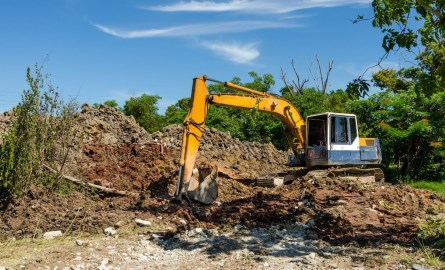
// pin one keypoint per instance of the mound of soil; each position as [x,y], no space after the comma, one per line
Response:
[113,151]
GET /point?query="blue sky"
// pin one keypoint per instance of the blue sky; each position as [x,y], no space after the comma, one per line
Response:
[115,49]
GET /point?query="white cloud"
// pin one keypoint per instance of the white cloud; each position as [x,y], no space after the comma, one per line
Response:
[196,29]
[234,52]
[253,6]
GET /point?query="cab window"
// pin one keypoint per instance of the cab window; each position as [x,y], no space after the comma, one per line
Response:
[343,130]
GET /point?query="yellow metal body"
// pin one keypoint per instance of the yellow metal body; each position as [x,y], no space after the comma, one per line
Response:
[201,99]
[366,141]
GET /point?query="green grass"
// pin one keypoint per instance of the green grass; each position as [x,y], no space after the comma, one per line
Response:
[438,187]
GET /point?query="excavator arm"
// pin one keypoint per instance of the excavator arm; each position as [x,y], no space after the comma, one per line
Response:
[194,124]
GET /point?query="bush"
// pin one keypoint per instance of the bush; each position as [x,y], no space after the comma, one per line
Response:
[40,133]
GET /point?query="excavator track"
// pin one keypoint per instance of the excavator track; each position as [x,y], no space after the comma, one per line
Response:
[364,175]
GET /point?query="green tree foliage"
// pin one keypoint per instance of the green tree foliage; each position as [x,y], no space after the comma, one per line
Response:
[40,133]
[408,24]
[111,103]
[144,109]
[176,113]
[408,115]
[358,88]
[410,129]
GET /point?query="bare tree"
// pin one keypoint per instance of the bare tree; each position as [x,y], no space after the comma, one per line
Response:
[321,83]
[297,86]
[320,80]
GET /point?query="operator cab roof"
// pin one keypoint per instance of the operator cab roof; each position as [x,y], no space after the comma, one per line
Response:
[327,114]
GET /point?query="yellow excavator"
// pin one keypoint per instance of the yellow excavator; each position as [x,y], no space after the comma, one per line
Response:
[322,140]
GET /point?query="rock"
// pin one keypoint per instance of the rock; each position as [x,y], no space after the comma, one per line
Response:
[142,222]
[419,267]
[119,224]
[310,223]
[238,227]
[2,267]
[110,231]
[183,222]
[52,234]
[79,242]
[104,264]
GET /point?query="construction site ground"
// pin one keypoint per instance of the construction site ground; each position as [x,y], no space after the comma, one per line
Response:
[312,223]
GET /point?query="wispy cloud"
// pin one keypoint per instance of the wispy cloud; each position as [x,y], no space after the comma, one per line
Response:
[252,6]
[196,29]
[235,52]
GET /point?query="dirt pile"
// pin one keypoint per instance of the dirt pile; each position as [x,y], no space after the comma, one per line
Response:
[107,125]
[246,159]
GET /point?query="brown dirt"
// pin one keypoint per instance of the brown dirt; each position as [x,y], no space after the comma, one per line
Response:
[338,211]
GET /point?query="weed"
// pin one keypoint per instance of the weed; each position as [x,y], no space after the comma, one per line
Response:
[386,204]
[433,228]
[432,233]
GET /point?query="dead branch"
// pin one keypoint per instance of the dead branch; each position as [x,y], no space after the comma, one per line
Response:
[283,78]
[321,82]
[314,76]
[297,86]
[300,84]
[85,183]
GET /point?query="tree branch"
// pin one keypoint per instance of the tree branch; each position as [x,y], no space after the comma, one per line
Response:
[101,188]
[430,9]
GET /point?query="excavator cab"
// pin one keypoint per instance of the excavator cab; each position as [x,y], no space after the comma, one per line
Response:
[332,139]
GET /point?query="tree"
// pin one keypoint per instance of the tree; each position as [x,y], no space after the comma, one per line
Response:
[144,109]
[176,113]
[408,24]
[111,103]
[410,129]
[408,115]
[320,79]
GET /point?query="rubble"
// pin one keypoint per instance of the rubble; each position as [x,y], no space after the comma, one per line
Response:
[108,126]
[52,234]
[251,159]
[110,231]
[142,222]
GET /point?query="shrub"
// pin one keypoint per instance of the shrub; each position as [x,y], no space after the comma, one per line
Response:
[41,132]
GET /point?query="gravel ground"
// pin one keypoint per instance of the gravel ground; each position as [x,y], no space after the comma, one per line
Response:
[293,247]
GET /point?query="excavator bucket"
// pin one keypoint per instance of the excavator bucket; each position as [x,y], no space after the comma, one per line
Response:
[203,185]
